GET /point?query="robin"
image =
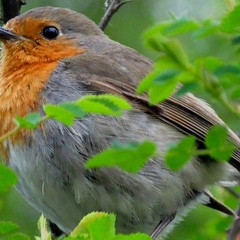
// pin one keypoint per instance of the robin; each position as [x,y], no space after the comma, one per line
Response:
[53,55]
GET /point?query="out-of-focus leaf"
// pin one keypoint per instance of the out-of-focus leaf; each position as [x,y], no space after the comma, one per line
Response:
[7,228]
[187,88]
[207,28]
[181,26]
[174,49]
[228,70]
[230,23]
[179,155]
[7,178]
[31,121]
[211,63]
[129,157]
[163,91]
[216,142]
[18,236]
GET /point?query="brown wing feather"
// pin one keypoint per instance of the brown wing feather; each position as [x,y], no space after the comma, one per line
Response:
[188,114]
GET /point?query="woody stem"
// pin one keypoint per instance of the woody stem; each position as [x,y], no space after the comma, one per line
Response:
[112,6]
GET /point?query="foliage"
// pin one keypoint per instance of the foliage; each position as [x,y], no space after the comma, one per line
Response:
[213,75]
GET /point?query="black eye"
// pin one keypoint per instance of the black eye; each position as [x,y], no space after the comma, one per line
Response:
[50,32]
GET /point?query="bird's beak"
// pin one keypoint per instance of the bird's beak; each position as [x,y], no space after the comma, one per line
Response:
[7,35]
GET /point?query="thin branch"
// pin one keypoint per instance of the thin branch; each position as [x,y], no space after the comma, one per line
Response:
[11,9]
[112,6]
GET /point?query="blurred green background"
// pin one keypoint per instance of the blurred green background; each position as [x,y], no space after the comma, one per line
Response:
[127,27]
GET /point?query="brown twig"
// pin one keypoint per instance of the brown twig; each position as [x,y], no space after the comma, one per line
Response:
[11,8]
[112,6]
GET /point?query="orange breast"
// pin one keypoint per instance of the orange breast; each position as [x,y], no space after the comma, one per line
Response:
[25,70]
[20,91]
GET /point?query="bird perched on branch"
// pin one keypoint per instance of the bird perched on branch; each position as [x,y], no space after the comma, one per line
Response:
[53,55]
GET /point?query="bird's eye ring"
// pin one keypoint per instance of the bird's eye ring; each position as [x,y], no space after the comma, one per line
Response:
[50,32]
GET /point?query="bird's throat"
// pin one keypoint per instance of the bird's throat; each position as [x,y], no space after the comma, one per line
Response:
[20,93]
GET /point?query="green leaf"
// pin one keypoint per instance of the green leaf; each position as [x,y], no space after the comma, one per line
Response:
[7,178]
[31,121]
[174,49]
[92,222]
[160,85]
[207,28]
[105,104]
[230,24]
[18,236]
[217,142]
[7,228]
[186,88]
[236,40]
[227,70]
[164,70]
[76,110]
[136,236]
[103,228]
[179,155]
[129,157]
[163,91]
[217,136]
[59,114]
[211,63]
[181,26]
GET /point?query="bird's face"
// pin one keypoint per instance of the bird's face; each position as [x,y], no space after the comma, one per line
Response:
[36,40]
[40,36]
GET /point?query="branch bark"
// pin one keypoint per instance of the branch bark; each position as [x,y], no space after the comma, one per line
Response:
[112,6]
[11,9]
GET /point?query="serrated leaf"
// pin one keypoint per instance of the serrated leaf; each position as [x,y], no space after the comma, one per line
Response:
[216,141]
[59,114]
[230,23]
[129,157]
[136,236]
[181,26]
[105,104]
[7,178]
[31,121]
[84,226]
[179,155]
[76,110]
[8,228]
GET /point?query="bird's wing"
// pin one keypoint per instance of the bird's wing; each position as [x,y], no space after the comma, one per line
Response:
[188,114]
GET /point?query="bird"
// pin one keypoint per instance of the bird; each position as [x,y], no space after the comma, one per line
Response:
[54,55]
